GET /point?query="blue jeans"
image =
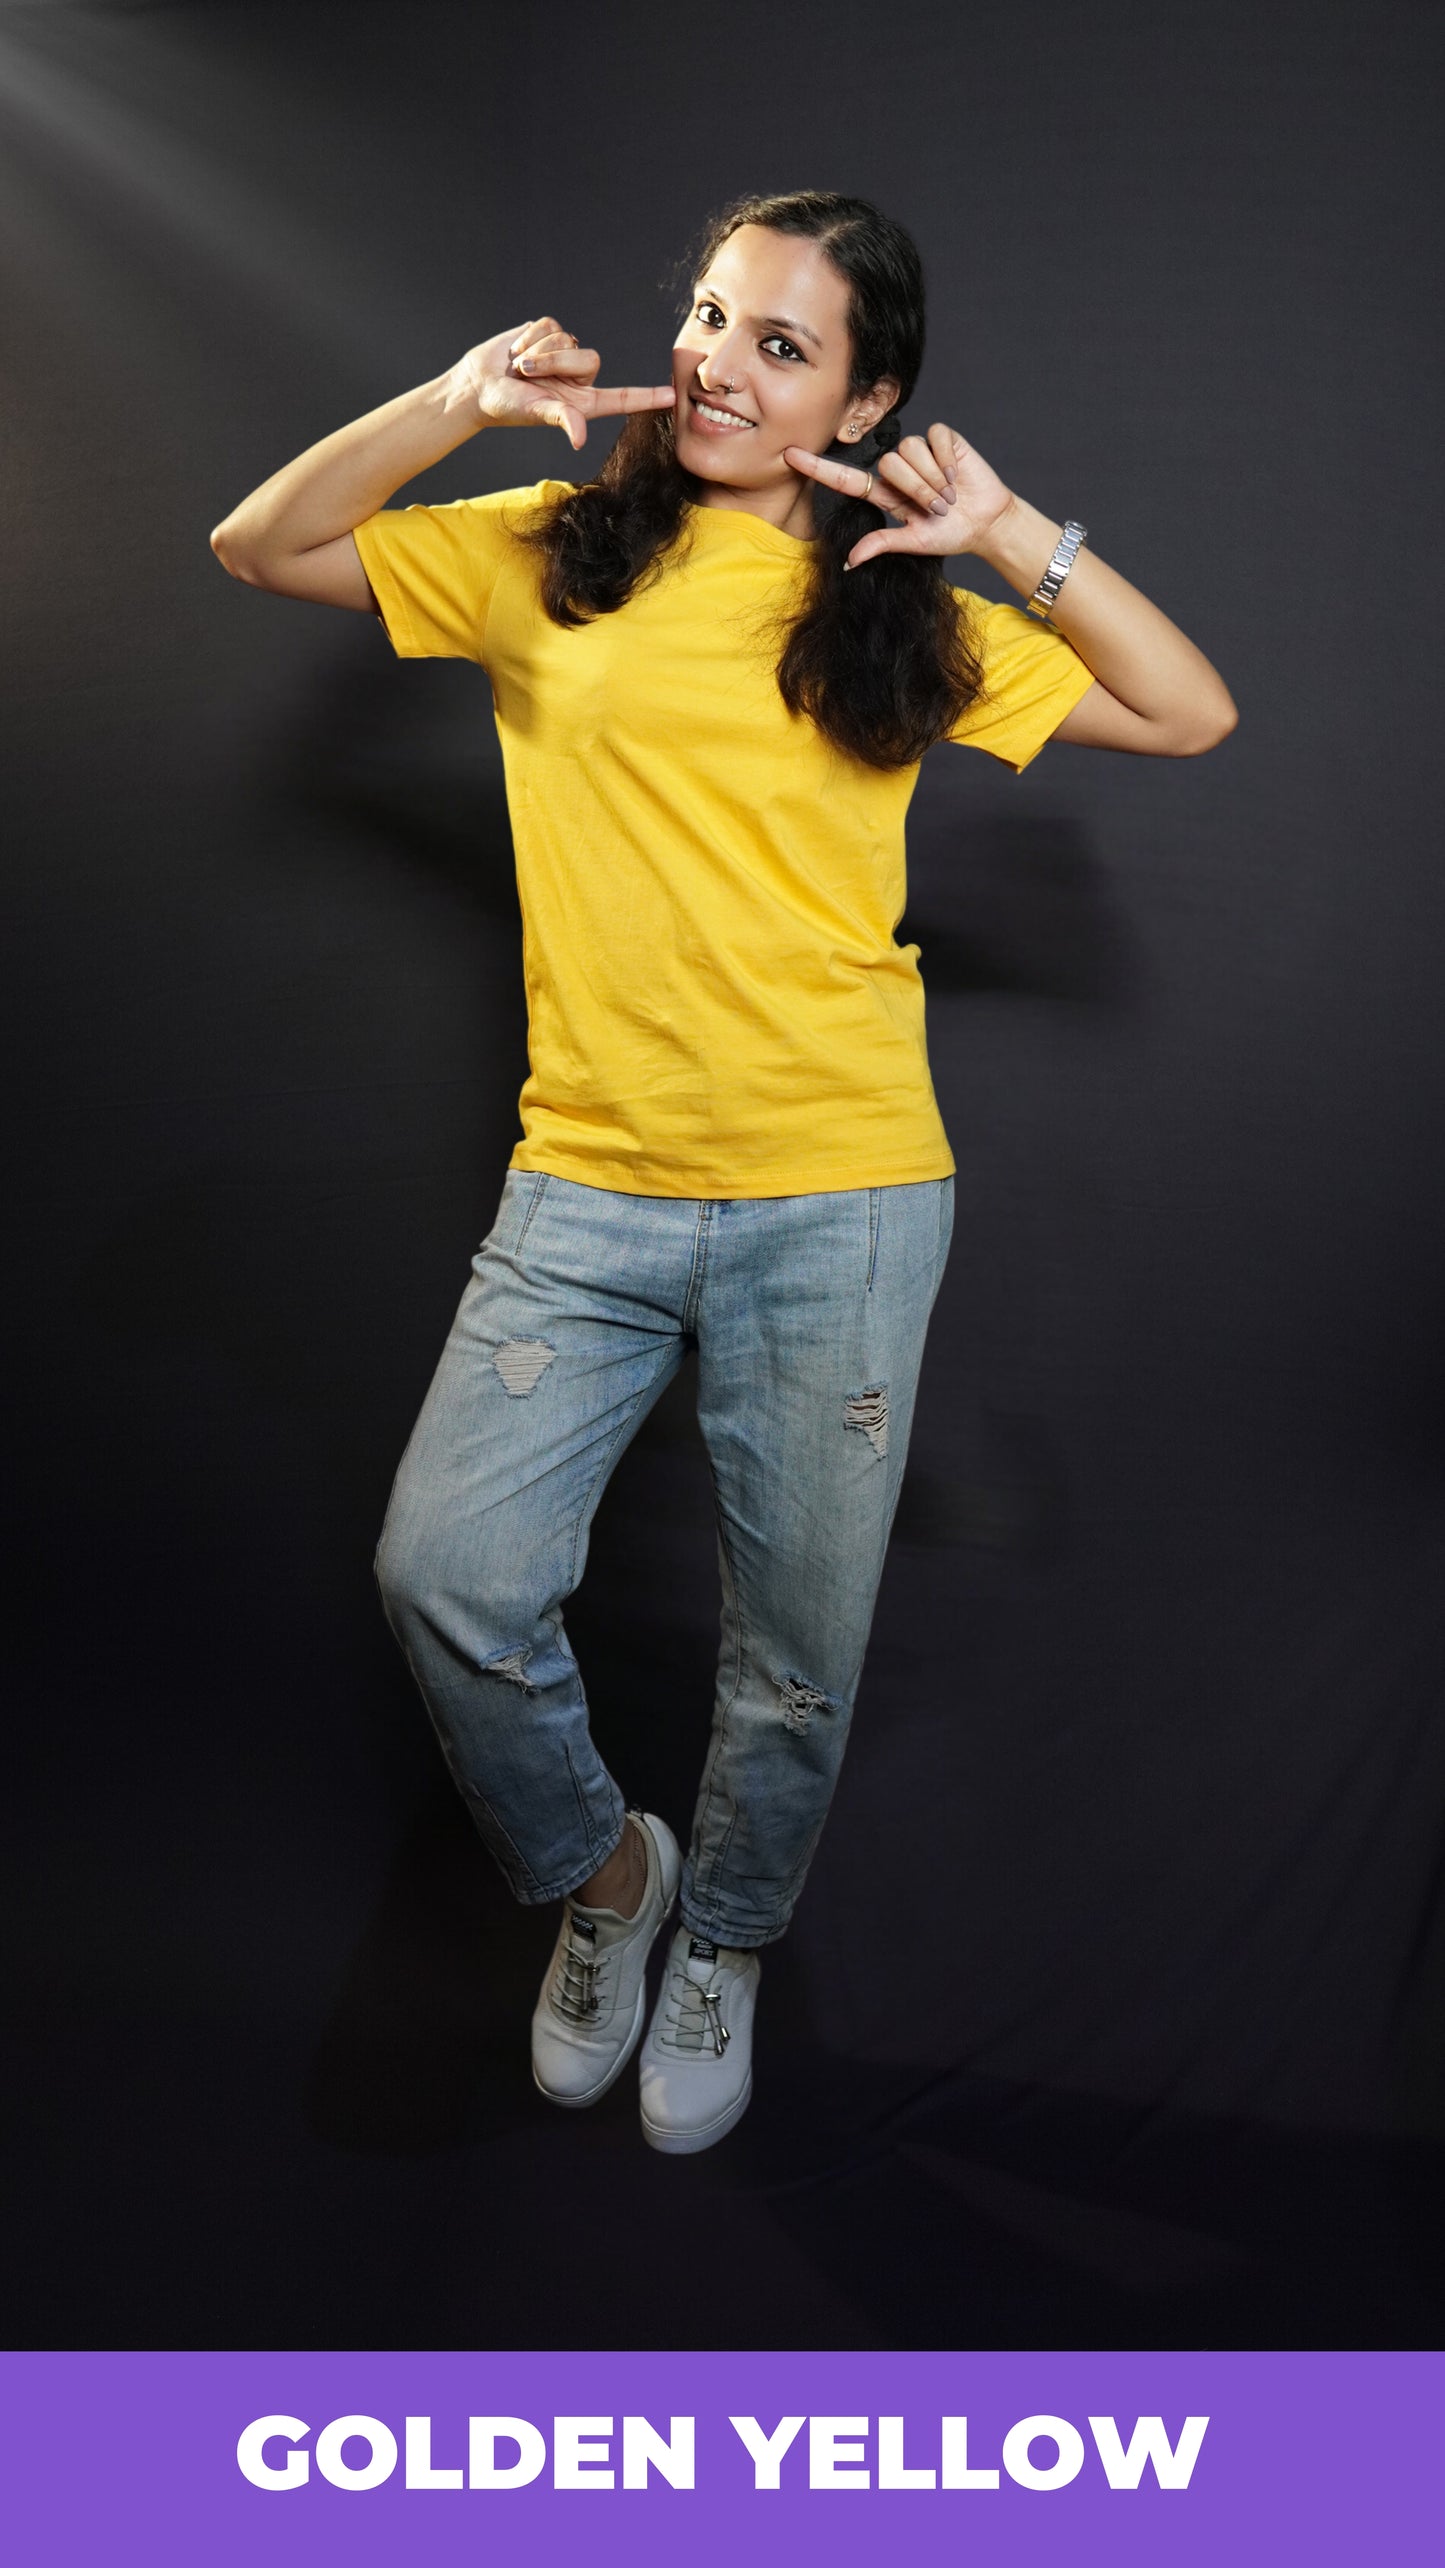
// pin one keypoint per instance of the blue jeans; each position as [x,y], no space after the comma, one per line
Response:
[808,1313]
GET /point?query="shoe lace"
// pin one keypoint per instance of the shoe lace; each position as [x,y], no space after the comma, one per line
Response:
[575,1992]
[694,2015]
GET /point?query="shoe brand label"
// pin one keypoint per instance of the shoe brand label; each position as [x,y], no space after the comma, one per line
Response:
[700,1950]
[586,1927]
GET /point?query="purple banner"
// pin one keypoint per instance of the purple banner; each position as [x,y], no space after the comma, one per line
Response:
[722,2458]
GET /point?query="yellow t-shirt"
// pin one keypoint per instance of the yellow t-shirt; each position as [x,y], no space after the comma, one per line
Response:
[709,889]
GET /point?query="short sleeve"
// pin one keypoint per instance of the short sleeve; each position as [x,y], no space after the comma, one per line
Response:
[1032,677]
[433,570]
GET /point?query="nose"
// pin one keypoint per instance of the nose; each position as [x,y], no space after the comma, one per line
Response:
[720,366]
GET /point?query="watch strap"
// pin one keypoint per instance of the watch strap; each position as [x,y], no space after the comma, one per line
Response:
[1061,562]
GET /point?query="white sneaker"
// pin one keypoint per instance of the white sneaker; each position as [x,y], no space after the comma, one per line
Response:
[586,2023]
[697,2060]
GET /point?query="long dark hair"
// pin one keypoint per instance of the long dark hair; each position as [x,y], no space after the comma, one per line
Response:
[880,659]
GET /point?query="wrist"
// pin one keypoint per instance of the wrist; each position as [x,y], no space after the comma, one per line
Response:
[1019,544]
[997,531]
[456,396]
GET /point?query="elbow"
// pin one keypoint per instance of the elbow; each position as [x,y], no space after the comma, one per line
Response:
[234,556]
[223,545]
[1207,727]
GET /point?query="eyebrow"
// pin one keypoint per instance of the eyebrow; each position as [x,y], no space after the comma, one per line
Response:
[766,320]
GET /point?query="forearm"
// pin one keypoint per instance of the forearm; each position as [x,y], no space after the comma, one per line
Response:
[1130,644]
[349,475]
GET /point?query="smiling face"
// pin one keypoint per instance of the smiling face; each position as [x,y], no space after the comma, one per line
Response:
[763,361]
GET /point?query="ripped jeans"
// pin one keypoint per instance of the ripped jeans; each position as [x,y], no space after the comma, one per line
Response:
[808,1313]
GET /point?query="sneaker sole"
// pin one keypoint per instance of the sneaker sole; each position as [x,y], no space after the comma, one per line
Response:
[682,2144]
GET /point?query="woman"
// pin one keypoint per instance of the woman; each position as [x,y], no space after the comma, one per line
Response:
[712,700]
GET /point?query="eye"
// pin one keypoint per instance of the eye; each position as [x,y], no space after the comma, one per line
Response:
[785,347]
[710,317]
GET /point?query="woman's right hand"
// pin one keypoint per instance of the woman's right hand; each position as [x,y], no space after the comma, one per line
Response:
[539,377]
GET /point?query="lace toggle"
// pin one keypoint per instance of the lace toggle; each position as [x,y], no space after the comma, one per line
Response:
[695,2016]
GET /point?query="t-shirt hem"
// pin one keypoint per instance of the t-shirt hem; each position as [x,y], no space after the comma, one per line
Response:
[715,1184]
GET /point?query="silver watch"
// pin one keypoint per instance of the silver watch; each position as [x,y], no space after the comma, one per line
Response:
[1060,565]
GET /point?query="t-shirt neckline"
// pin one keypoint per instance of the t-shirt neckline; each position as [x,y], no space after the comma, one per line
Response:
[758,531]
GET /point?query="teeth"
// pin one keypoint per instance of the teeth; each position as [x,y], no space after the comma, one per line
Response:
[724,418]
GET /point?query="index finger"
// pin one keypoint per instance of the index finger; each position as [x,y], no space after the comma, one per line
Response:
[604,402]
[849,478]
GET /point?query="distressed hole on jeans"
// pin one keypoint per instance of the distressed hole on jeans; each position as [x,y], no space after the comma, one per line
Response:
[800,1701]
[513,1666]
[521,1362]
[868,1412]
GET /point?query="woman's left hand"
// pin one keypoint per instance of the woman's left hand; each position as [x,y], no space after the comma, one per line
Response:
[945,497]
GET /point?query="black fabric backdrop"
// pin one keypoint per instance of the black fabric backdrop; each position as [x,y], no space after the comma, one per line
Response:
[1112,2012]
